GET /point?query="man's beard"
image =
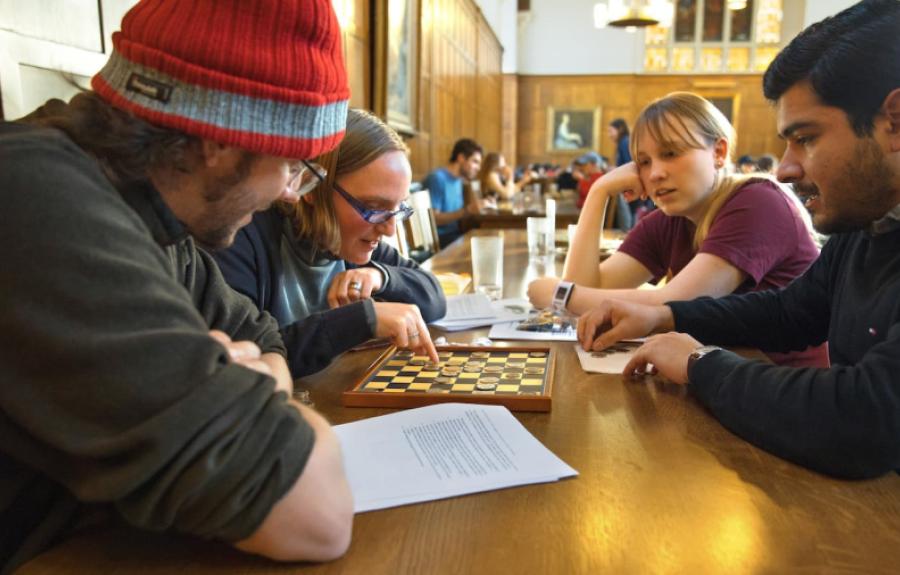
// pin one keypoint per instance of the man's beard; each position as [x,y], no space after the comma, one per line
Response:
[226,205]
[870,177]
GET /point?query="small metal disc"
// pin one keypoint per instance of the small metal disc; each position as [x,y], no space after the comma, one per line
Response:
[484,386]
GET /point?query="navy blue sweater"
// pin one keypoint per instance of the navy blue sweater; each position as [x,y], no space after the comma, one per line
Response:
[843,421]
[285,277]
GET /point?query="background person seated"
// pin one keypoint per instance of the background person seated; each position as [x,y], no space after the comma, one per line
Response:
[320,267]
[496,178]
[445,185]
[746,164]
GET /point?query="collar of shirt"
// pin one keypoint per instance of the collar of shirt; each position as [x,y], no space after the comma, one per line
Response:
[145,199]
[889,223]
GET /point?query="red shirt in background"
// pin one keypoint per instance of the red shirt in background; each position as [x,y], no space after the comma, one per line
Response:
[584,186]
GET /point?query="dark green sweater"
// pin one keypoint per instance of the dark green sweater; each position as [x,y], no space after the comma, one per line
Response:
[843,421]
[113,397]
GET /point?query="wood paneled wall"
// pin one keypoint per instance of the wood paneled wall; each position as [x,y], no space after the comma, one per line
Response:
[460,83]
[624,96]
[359,44]
[509,130]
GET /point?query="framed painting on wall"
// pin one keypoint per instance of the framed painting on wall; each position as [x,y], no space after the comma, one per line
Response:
[572,129]
[396,65]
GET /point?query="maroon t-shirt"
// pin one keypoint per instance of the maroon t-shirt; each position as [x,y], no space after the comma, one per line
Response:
[758,230]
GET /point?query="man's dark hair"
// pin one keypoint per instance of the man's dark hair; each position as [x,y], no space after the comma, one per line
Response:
[621,127]
[851,59]
[766,162]
[466,147]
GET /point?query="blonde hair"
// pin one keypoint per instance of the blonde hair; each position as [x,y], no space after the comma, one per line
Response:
[685,120]
[366,139]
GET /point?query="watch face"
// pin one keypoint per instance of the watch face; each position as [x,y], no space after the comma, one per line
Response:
[560,293]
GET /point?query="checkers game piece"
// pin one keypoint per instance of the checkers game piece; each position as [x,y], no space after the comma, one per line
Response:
[518,377]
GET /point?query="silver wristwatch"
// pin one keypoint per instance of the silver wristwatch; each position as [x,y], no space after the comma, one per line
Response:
[561,295]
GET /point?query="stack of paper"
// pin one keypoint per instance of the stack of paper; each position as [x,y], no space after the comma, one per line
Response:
[441,451]
[510,330]
[468,311]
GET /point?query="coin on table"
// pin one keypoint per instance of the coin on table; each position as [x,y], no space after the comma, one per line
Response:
[538,354]
[512,376]
[534,370]
[493,369]
[474,364]
[481,354]
[515,364]
[443,380]
[484,386]
[490,379]
[471,369]
[417,361]
[431,366]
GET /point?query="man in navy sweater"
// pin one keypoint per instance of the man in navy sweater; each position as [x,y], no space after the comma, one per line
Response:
[836,88]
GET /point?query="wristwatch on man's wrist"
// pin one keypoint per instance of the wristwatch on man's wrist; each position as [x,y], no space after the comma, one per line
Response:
[561,295]
[698,353]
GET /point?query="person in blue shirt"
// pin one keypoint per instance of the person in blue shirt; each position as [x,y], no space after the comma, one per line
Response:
[445,185]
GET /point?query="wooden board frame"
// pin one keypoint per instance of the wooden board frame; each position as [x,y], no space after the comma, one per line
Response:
[542,402]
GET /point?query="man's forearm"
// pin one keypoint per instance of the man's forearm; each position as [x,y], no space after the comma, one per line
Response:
[441,218]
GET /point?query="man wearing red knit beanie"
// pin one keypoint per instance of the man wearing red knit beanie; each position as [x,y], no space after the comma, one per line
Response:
[137,387]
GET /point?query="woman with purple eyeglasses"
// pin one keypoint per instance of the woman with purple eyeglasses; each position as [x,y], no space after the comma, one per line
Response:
[320,266]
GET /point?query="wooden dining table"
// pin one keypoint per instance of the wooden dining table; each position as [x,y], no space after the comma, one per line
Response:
[662,488]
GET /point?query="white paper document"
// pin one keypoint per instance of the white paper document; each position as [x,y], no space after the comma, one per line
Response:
[508,330]
[504,310]
[441,451]
[468,306]
[611,360]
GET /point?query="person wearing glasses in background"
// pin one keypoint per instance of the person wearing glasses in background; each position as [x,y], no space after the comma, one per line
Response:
[320,267]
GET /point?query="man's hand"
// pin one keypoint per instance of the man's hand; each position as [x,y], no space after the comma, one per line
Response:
[615,320]
[248,354]
[668,352]
[540,291]
[403,324]
[353,285]
[473,208]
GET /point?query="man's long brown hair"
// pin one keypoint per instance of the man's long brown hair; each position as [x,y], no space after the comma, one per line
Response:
[125,146]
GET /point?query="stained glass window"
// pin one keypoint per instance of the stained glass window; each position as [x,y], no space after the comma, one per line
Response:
[713,20]
[729,41]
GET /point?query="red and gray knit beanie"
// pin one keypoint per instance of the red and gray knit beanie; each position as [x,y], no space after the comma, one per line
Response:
[267,76]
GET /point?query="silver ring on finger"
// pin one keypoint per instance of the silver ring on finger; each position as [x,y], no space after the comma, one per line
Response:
[354,286]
